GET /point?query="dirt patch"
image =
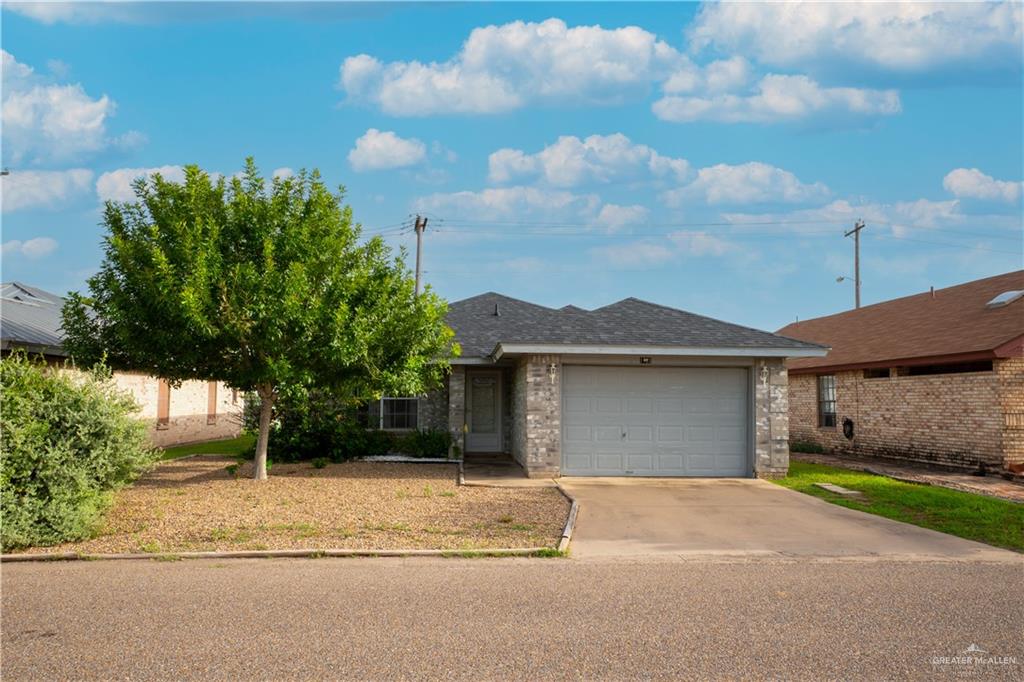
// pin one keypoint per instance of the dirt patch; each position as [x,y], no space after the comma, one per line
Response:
[196,504]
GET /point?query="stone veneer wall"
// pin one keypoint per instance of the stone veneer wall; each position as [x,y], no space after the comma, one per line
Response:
[771,418]
[432,409]
[541,444]
[955,420]
[457,407]
[518,420]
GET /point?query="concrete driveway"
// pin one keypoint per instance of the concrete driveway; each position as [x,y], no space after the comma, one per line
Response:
[629,517]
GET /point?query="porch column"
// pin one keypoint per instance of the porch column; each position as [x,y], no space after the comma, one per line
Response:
[771,418]
[543,433]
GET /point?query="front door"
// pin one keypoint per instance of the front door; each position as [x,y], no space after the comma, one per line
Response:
[483,412]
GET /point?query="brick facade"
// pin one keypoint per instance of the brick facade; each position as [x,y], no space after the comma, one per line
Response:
[957,420]
[189,418]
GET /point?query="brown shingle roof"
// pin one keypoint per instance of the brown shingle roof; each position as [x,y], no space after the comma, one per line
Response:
[953,322]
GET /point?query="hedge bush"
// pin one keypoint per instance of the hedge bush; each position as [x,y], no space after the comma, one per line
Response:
[310,425]
[68,439]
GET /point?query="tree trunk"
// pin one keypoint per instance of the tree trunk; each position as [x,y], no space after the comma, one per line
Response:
[266,394]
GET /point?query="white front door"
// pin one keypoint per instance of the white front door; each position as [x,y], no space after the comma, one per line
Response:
[483,412]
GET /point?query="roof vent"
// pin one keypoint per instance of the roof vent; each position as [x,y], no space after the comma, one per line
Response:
[497,313]
[1005,298]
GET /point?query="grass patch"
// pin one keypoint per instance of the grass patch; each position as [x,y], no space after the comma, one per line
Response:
[232,447]
[966,515]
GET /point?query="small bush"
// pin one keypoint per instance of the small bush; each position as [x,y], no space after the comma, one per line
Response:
[320,462]
[69,439]
[804,446]
[427,443]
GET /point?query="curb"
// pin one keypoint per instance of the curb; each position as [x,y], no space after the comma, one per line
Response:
[570,521]
[279,553]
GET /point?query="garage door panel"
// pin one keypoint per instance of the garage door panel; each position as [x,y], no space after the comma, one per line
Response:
[670,434]
[621,421]
[640,463]
[639,434]
[577,433]
[608,434]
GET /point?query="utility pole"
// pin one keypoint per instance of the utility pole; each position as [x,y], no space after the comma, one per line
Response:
[857,227]
[420,226]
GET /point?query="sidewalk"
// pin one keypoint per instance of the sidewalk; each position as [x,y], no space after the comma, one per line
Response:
[993,486]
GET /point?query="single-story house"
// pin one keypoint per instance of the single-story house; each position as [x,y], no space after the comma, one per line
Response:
[30,320]
[936,377]
[630,389]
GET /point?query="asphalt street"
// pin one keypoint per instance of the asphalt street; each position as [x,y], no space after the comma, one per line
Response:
[806,618]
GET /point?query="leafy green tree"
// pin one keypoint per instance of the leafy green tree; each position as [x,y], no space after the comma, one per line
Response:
[260,287]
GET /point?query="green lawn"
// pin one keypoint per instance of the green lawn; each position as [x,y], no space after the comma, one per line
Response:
[975,517]
[231,447]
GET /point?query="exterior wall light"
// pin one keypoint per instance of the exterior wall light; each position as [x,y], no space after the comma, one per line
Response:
[552,372]
[645,360]
[764,375]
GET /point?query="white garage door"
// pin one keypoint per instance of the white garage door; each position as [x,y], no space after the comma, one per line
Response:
[654,421]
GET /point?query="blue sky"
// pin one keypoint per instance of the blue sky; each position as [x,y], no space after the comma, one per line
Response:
[703,157]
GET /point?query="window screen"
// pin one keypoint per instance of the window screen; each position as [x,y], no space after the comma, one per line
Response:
[399,413]
[827,400]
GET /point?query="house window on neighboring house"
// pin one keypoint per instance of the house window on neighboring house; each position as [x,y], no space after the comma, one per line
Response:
[827,400]
[163,404]
[399,413]
[211,403]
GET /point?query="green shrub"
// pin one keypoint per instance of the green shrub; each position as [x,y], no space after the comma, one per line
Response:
[804,446]
[69,439]
[320,462]
[308,426]
[427,443]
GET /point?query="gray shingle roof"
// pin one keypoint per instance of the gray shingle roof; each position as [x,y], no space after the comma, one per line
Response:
[630,322]
[30,317]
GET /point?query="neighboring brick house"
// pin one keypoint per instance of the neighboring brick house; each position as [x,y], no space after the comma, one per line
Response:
[937,377]
[196,411]
[630,389]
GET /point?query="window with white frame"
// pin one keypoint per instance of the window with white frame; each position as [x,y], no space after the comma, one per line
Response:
[827,400]
[399,413]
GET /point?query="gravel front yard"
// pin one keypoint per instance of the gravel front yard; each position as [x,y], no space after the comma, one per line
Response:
[195,504]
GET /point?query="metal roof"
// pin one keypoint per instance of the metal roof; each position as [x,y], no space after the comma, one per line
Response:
[30,318]
[482,322]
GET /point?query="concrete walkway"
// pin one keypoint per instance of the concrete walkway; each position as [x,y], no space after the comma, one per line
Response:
[993,486]
[636,517]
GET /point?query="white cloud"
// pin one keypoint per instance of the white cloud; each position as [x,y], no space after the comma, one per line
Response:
[46,121]
[615,217]
[377,150]
[570,162]
[283,173]
[719,76]
[510,202]
[33,248]
[635,254]
[747,183]
[117,185]
[48,12]
[701,243]
[779,98]
[902,37]
[501,68]
[971,183]
[43,189]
